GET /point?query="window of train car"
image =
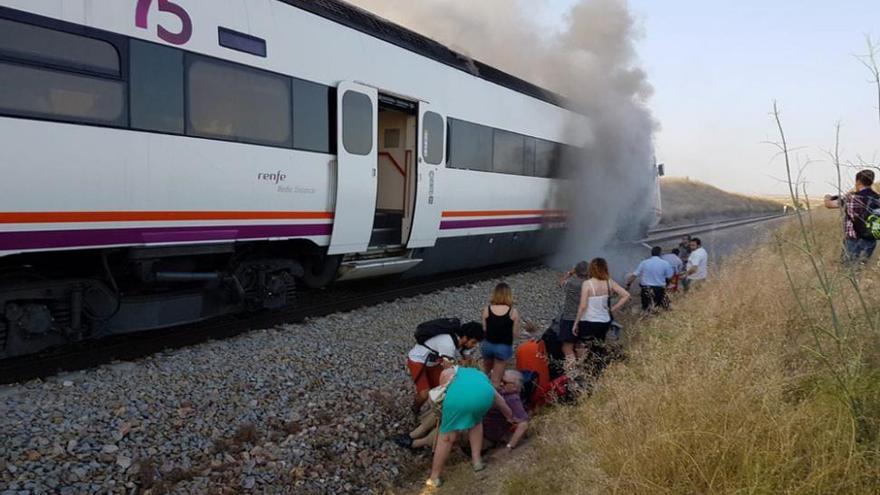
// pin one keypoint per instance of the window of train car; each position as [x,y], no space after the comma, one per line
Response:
[529,157]
[313,116]
[547,158]
[156,91]
[509,154]
[433,138]
[470,146]
[357,123]
[237,103]
[57,75]
[34,44]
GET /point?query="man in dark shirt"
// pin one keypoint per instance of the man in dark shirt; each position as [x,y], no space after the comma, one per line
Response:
[859,242]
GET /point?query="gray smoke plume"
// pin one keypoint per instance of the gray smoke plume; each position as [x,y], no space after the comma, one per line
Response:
[590,59]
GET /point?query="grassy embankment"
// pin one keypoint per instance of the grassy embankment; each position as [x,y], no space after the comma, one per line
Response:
[687,201]
[761,382]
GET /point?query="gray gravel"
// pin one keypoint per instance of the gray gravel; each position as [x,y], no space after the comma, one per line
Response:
[307,408]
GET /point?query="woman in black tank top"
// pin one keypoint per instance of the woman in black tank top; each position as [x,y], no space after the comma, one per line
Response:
[500,321]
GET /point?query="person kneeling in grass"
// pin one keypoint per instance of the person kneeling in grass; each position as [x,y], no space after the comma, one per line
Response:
[468,396]
[496,428]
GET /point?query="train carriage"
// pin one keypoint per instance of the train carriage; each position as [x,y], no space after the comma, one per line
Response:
[168,161]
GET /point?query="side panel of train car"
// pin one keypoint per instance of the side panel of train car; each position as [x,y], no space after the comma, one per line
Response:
[166,162]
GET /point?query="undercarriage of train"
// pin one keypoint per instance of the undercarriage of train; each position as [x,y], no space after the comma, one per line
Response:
[53,299]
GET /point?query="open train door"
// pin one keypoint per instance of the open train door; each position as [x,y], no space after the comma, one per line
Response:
[429,179]
[356,167]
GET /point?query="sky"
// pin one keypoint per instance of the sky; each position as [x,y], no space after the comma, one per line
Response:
[717,67]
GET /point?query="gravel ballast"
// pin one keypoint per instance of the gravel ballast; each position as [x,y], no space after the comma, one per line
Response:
[307,408]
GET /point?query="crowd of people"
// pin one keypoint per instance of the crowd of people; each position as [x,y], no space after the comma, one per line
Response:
[458,403]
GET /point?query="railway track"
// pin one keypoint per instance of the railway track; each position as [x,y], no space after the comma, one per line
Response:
[310,304]
[673,233]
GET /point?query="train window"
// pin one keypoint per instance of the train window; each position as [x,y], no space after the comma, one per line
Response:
[470,146]
[529,157]
[313,116]
[47,46]
[432,138]
[357,123]
[547,158]
[509,152]
[156,97]
[39,92]
[236,103]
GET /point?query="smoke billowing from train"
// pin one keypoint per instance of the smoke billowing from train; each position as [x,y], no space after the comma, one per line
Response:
[590,59]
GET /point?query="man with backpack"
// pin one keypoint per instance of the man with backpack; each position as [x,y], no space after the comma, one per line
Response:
[862,218]
[436,341]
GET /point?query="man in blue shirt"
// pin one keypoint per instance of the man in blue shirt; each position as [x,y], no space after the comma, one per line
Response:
[654,274]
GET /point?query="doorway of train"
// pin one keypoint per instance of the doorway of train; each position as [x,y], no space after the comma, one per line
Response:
[396,165]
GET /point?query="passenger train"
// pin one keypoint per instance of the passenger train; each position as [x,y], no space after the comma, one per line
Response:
[167,161]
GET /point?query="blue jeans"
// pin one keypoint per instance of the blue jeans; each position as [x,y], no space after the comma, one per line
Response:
[499,352]
[857,249]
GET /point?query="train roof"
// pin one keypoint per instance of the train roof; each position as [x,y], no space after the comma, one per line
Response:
[373,25]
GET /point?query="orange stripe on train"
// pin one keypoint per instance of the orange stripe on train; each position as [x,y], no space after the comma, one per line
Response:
[157,216]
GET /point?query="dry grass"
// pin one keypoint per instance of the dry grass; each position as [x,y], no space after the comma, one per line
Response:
[687,201]
[736,391]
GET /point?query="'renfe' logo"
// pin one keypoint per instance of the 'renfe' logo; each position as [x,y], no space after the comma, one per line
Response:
[274,177]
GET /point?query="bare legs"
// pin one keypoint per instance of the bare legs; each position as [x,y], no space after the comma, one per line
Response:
[447,441]
[475,436]
[444,447]
[488,366]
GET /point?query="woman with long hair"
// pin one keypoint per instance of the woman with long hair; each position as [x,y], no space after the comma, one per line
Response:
[594,311]
[500,322]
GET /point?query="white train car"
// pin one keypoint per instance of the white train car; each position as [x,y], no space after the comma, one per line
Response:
[171,160]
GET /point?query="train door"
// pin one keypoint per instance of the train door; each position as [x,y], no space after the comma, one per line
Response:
[356,168]
[431,151]
[397,138]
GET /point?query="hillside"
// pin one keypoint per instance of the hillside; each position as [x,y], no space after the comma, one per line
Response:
[687,201]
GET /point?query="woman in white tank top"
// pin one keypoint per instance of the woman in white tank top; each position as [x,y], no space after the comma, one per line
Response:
[594,312]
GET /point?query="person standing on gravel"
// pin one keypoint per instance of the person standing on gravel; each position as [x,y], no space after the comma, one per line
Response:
[860,242]
[698,265]
[500,321]
[571,284]
[468,396]
[424,360]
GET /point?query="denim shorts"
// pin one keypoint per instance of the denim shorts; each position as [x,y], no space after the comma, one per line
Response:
[501,352]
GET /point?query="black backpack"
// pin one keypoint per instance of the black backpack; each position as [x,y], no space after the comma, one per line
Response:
[430,329]
[867,227]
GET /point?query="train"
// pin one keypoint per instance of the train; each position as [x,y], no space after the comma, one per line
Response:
[169,161]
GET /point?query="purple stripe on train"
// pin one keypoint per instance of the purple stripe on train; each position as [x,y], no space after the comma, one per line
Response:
[498,222]
[54,239]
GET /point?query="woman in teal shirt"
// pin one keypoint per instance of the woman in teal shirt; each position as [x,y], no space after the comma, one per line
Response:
[469,395]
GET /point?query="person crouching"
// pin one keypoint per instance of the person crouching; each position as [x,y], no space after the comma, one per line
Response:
[496,428]
[468,396]
[424,360]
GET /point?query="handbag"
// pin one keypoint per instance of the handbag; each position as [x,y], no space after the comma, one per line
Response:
[438,393]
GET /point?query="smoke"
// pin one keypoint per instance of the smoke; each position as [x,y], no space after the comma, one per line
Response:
[590,59]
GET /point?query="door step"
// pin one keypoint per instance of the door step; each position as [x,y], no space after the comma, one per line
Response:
[377,267]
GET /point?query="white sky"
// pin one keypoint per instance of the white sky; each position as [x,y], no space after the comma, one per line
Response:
[718,66]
